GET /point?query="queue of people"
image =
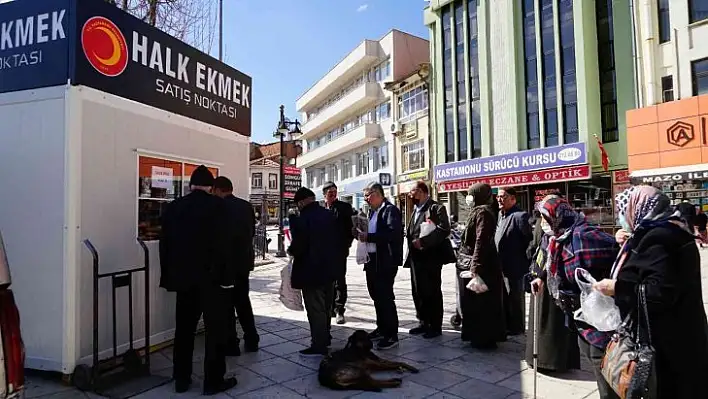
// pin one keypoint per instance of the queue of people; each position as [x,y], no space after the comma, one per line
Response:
[203,260]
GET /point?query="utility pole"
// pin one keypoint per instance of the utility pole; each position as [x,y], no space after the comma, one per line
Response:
[221,30]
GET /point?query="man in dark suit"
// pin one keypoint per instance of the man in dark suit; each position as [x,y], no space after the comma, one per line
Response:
[384,241]
[426,256]
[512,237]
[194,263]
[242,224]
[314,245]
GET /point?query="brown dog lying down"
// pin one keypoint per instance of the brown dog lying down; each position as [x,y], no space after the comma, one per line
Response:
[351,367]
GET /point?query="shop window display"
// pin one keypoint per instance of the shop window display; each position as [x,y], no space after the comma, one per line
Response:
[160,181]
[594,198]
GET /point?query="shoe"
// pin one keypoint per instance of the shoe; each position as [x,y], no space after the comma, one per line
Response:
[250,346]
[432,334]
[421,329]
[375,335]
[182,386]
[456,321]
[225,385]
[313,352]
[387,343]
[341,319]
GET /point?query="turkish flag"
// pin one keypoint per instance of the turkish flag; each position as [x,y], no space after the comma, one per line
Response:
[605,158]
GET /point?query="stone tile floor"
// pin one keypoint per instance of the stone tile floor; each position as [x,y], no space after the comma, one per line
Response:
[448,368]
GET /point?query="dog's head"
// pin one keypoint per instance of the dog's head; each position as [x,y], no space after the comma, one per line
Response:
[360,341]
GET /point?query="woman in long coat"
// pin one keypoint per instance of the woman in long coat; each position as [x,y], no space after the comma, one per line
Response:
[482,314]
[661,254]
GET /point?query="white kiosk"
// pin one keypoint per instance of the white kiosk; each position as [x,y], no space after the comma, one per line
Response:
[102,120]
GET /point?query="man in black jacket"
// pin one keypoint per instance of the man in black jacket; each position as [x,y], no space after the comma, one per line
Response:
[384,241]
[194,263]
[426,256]
[512,237]
[242,223]
[343,212]
[314,244]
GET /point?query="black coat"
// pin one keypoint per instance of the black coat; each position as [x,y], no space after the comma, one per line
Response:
[666,259]
[315,243]
[388,236]
[343,213]
[512,238]
[194,243]
[436,247]
[242,226]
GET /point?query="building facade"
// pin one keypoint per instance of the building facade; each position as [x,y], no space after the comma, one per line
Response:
[411,142]
[347,117]
[666,140]
[521,90]
[265,190]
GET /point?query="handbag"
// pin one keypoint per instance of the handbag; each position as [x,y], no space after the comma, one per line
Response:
[464,261]
[628,364]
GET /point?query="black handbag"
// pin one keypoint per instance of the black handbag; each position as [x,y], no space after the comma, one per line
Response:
[464,260]
[628,364]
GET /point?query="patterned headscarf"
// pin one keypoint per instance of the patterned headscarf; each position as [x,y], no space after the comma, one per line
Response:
[559,214]
[645,206]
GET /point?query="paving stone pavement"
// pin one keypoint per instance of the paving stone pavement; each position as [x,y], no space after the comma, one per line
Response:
[448,368]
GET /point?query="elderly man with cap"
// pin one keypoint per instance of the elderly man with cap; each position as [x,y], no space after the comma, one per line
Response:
[315,243]
[194,263]
[343,212]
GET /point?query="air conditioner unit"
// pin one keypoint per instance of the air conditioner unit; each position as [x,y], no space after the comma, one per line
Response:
[395,128]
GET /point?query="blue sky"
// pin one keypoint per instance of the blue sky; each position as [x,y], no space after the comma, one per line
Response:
[287,45]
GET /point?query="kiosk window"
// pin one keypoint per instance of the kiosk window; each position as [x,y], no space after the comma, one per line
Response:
[160,181]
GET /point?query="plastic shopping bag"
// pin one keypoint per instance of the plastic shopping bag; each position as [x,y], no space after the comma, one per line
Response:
[362,254]
[289,296]
[596,308]
[477,285]
[427,228]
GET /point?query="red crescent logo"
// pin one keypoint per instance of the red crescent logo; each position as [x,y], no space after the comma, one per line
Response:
[104,46]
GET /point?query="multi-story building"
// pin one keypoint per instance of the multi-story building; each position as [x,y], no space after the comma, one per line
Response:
[666,138]
[347,125]
[264,169]
[521,90]
[411,144]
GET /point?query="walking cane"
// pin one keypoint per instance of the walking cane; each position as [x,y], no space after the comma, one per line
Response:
[535,343]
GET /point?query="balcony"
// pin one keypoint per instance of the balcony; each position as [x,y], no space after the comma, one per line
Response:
[364,56]
[354,102]
[356,138]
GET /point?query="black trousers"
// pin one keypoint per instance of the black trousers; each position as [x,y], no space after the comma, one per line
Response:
[379,281]
[595,356]
[191,305]
[515,306]
[340,287]
[426,282]
[241,302]
[318,305]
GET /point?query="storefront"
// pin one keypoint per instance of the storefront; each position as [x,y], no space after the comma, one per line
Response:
[668,148]
[534,174]
[102,121]
[405,183]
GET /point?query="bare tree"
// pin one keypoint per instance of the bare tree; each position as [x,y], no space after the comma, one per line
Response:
[192,21]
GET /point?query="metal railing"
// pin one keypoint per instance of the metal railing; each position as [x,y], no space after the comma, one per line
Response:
[260,242]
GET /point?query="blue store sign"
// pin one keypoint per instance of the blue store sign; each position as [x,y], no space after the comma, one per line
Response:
[522,161]
[92,43]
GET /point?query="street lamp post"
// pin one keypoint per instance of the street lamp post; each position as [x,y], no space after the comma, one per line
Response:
[283,130]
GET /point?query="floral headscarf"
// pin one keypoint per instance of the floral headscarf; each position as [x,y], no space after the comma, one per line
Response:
[560,215]
[642,207]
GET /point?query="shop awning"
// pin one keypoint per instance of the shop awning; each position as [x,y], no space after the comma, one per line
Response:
[673,173]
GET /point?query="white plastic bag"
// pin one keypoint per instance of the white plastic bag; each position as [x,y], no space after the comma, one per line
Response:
[362,254]
[426,228]
[477,285]
[596,308]
[289,296]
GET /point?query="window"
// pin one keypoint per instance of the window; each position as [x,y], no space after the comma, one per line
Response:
[272,181]
[664,21]
[381,157]
[346,168]
[606,61]
[160,181]
[699,75]
[333,172]
[383,111]
[412,102]
[462,130]
[569,85]
[667,88]
[474,115]
[257,180]
[413,156]
[529,30]
[310,178]
[362,163]
[697,10]
[448,83]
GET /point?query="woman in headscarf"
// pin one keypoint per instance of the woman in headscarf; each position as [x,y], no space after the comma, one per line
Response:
[575,244]
[660,252]
[557,344]
[482,314]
